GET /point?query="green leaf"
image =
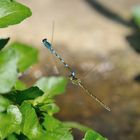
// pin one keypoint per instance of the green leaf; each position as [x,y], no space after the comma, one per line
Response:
[57,136]
[136,14]
[50,123]
[50,108]
[3,42]
[12,137]
[18,96]
[4,103]
[27,55]
[56,130]
[12,12]
[8,70]
[19,85]
[77,126]
[52,86]
[15,113]
[10,122]
[30,125]
[92,135]
[5,121]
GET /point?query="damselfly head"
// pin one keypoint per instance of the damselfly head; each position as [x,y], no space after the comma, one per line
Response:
[44,40]
[47,44]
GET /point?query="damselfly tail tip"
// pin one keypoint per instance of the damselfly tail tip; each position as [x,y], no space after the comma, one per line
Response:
[107,108]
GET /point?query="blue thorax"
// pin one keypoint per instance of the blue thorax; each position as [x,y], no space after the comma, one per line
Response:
[47,44]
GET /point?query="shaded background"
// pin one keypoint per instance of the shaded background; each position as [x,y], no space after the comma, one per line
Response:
[101,43]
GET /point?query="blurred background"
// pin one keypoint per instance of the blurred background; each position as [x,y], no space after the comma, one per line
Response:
[102,44]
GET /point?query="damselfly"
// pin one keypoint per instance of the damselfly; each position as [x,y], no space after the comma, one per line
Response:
[73,77]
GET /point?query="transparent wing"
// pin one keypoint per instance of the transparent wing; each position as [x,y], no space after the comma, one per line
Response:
[55,68]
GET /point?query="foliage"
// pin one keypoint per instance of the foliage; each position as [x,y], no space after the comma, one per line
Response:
[12,12]
[14,59]
[28,113]
[3,42]
[136,15]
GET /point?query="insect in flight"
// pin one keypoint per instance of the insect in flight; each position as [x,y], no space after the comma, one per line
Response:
[73,78]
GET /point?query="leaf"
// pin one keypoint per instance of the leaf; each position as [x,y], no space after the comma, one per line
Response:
[136,14]
[12,137]
[50,123]
[19,85]
[18,96]
[4,103]
[77,126]
[10,60]
[12,12]
[8,70]
[50,108]
[92,135]
[15,113]
[10,122]
[30,125]
[57,136]
[3,42]
[52,86]
[56,130]
[5,121]
[27,55]
[8,64]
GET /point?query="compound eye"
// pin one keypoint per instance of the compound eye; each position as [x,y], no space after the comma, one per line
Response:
[44,40]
